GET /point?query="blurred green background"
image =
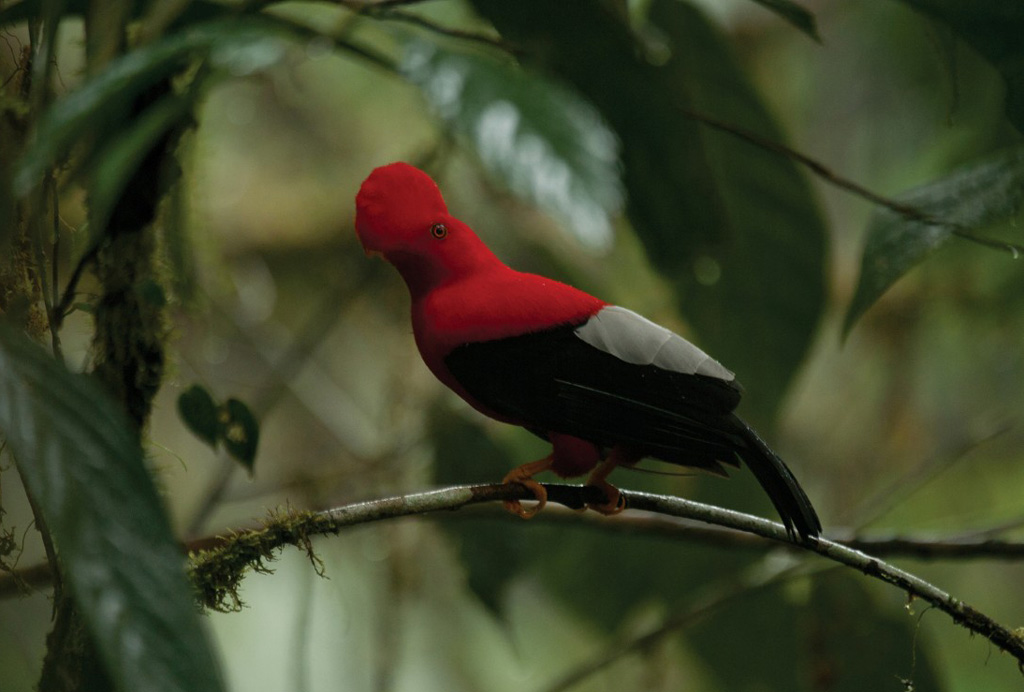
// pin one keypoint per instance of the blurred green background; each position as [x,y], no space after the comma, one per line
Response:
[909,425]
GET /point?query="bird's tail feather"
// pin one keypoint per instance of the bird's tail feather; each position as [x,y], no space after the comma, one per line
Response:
[790,500]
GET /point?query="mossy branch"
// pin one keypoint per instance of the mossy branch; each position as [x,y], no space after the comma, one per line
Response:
[218,570]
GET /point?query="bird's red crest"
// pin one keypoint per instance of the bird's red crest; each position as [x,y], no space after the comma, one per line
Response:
[395,202]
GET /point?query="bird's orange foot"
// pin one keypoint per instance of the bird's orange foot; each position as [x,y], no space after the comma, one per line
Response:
[615,502]
[523,475]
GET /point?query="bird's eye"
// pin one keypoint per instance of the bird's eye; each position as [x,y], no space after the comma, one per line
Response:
[439,230]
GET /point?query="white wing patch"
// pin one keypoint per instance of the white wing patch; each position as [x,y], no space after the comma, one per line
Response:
[635,339]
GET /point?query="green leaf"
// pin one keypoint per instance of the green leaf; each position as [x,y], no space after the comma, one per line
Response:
[83,465]
[98,106]
[994,29]
[733,227]
[797,15]
[547,144]
[971,198]
[240,432]
[199,412]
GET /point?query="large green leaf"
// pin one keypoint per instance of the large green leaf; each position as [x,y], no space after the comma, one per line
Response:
[84,467]
[970,198]
[993,28]
[735,228]
[547,144]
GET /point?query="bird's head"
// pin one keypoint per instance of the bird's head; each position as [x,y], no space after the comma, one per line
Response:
[401,215]
[396,208]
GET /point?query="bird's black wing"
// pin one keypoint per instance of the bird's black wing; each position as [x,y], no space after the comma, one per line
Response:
[619,379]
[553,380]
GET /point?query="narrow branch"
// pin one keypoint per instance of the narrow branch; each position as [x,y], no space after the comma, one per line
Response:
[907,211]
[969,546]
[220,564]
[42,278]
[68,296]
[961,613]
[253,548]
[973,545]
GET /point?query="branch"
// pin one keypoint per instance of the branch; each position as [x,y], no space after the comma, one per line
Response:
[253,548]
[975,545]
[219,563]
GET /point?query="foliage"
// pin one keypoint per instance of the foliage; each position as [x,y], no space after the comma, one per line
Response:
[690,180]
[79,459]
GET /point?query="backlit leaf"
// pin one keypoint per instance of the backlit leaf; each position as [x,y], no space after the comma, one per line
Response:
[543,141]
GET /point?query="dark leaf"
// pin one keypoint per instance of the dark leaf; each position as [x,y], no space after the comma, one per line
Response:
[84,467]
[546,143]
[994,29]
[735,228]
[240,432]
[797,15]
[969,199]
[199,412]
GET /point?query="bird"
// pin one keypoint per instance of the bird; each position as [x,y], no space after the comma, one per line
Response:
[604,385]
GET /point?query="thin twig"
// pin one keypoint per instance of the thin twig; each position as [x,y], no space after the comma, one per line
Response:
[68,296]
[961,547]
[894,494]
[907,211]
[52,320]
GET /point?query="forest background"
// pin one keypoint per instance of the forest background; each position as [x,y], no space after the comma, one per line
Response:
[823,195]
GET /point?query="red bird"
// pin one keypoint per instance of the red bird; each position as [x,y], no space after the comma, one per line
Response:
[604,385]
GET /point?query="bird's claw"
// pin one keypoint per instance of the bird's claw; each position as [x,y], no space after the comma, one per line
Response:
[523,476]
[516,507]
[615,501]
